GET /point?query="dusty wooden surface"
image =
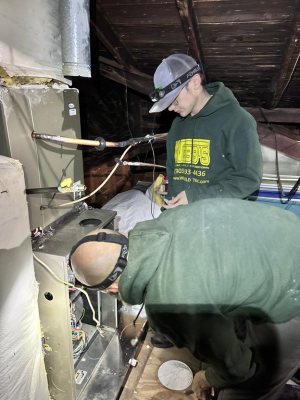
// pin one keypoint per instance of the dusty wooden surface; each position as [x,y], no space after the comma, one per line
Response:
[251,46]
[143,383]
[136,372]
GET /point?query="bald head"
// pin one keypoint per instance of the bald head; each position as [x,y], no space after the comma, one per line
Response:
[92,262]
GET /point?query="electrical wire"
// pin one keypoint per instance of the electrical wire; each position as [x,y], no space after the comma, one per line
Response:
[291,75]
[99,187]
[153,177]
[126,101]
[127,327]
[80,341]
[82,315]
[73,286]
[280,188]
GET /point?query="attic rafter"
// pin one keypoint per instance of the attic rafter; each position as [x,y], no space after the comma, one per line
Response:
[282,130]
[287,66]
[190,26]
[277,115]
[118,66]
[114,45]
[141,84]
[285,144]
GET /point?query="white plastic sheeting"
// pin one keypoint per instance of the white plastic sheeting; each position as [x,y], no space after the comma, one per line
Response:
[22,371]
[132,207]
[287,165]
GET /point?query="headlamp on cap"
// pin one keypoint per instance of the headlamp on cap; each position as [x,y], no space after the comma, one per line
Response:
[159,92]
[120,264]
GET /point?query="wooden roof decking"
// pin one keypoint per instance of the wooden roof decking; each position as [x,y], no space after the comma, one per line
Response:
[251,46]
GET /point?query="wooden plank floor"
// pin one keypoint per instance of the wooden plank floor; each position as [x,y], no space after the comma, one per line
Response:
[143,382]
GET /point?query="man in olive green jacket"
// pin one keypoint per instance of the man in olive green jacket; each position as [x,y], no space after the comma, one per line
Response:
[220,277]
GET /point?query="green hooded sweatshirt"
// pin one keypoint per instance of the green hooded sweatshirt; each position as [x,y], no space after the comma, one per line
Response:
[215,153]
[198,268]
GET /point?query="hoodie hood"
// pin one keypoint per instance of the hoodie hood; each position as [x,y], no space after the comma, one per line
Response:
[143,260]
[221,97]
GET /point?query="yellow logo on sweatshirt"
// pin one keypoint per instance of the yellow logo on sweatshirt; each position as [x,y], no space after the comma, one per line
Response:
[191,151]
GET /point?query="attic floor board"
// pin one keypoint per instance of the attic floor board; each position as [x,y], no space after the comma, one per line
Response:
[143,383]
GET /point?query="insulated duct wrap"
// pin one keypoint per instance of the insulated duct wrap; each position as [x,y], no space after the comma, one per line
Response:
[75,34]
[22,370]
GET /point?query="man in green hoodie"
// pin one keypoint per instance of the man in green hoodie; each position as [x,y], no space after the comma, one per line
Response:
[212,146]
[220,277]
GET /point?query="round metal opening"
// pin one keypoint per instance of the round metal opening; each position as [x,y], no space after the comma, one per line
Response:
[48,296]
[90,222]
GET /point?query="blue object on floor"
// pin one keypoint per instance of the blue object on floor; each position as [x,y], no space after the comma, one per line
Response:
[273,198]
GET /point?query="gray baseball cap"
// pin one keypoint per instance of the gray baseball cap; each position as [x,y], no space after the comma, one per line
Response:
[172,74]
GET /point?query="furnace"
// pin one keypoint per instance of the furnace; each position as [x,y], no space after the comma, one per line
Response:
[81,361]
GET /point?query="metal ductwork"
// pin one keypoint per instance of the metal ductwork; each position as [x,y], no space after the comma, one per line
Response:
[75,35]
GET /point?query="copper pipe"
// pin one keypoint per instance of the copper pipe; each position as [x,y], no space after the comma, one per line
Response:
[96,143]
[64,139]
[112,144]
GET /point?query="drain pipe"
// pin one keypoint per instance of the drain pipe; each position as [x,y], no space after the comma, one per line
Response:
[75,37]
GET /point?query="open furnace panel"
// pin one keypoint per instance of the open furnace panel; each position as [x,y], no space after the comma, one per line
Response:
[90,366]
[80,363]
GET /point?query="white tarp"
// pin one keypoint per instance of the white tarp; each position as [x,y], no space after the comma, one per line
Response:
[22,371]
[132,207]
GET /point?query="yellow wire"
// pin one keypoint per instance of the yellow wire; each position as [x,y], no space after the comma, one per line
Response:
[83,313]
[71,285]
[81,342]
[77,330]
[100,186]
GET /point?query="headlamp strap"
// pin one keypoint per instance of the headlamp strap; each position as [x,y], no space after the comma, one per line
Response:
[121,262]
[160,92]
[116,272]
[101,237]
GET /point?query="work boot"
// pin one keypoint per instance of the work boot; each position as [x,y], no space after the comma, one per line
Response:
[161,341]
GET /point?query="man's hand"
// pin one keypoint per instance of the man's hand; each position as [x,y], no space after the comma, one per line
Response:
[179,200]
[201,388]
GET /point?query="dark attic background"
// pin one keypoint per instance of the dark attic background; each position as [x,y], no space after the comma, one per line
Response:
[252,47]
[116,113]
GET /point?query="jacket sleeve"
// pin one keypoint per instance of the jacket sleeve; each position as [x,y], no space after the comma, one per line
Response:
[211,338]
[245,157]
[230,360]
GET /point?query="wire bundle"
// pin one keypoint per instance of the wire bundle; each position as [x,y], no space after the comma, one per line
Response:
[80,340]
[79,336]
[72,286]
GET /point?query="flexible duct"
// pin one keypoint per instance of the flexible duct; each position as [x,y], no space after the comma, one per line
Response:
[75,36]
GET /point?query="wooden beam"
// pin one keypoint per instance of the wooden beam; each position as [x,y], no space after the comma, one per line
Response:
[285,145]
[141,84]
[283,130]
[286,66]
[114,45]
[118,66]
[190,26]
[278,115]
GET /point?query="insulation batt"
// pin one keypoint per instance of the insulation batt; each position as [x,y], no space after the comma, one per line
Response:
[22,370]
